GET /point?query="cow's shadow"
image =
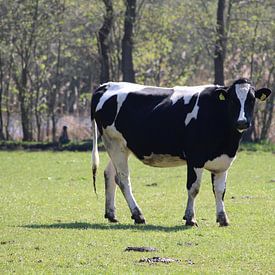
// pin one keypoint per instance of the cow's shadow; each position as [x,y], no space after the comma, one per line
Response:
[107,226]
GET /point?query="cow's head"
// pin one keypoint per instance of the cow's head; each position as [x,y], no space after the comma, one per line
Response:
[240,99]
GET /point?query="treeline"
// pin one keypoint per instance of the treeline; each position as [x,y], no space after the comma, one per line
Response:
[53,53]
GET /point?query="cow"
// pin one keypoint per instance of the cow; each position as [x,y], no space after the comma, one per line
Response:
[200,126]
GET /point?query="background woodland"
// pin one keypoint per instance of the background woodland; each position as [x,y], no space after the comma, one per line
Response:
[53,53]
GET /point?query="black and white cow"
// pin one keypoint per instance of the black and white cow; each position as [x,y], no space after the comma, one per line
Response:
[200,126]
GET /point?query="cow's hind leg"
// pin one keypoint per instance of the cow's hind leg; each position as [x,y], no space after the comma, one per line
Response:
[193,187]
[219,186]
[119,155]
[110,192]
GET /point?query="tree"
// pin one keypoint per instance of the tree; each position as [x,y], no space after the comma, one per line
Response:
[221,40]
[25,16]
[127,42]
[2,137]
[103,41]
[219,54]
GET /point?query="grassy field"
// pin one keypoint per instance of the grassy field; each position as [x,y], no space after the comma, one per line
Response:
[51,221]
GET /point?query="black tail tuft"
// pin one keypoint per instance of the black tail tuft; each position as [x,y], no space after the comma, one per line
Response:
[94,181]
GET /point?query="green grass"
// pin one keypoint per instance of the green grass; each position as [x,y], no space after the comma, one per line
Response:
[51,221]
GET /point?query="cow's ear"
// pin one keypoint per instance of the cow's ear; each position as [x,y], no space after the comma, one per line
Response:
[262,93]
[222,94]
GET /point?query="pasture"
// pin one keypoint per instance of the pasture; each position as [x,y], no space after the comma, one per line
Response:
[51,221]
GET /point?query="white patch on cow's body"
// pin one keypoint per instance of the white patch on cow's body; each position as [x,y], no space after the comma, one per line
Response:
[187,93]
[219,164]
[121,89]
[242,92]
[219,189]
[114,134]
[219,186]
[163,160]
[196,184]
[193,114]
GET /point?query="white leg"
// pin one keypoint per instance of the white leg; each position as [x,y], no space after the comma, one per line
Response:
[119,155]
[219,186]
[110,192]
[193,186]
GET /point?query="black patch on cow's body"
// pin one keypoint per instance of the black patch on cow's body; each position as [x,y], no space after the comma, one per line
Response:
[212,181]
[96,97]
[108,112]
[213,186]
[148,124]
[191,177]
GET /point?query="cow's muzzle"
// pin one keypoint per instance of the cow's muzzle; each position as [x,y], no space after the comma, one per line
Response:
[242,125]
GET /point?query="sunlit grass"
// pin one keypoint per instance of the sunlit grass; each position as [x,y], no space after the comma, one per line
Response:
[52,222]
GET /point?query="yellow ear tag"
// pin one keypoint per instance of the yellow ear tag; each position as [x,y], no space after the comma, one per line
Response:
[221,96]
[263,97]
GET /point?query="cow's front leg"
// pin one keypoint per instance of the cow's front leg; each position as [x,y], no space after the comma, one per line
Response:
[193,187]
[110,192]
[219,186]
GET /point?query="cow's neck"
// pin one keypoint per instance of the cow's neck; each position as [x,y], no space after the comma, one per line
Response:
[233,142]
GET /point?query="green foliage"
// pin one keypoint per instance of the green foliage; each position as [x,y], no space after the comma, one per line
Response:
[51,222]
[85,145]
[263,146]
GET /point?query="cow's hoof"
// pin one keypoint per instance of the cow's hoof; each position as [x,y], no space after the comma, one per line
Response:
[139,219]
[111,218]
[190,221]
[222,219]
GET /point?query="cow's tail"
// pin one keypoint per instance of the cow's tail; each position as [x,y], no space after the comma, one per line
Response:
[95,155]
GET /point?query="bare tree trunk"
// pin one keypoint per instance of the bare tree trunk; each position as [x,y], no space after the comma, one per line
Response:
[219,54]
[54,92]
[25,120]
[2,137]
[103,43]
[127,42]
[7,97]
[37,113]
[252,134]
[268,110]
[48,127]
[38,123]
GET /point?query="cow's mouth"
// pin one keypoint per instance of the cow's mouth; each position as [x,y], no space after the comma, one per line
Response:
[242,125]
